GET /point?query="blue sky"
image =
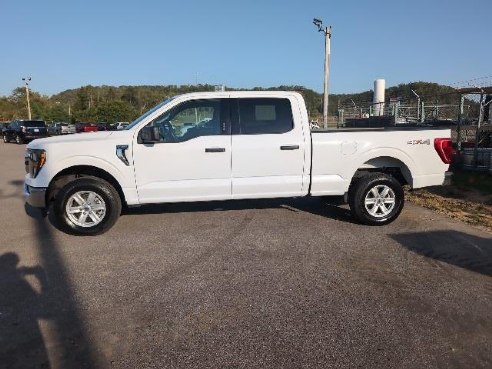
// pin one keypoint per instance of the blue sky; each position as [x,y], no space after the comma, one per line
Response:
[65,44]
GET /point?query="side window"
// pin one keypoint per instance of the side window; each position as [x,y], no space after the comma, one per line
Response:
[264,116]
[189,120]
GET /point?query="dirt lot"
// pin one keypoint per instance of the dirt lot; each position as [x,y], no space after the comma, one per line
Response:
[469,199]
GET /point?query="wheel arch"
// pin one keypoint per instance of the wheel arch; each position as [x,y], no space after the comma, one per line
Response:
[77,171]
[388,165]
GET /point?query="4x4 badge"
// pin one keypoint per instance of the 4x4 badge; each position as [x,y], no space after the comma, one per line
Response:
[419,142]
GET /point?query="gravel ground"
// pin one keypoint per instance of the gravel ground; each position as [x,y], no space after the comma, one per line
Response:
[463,203]
[246,284]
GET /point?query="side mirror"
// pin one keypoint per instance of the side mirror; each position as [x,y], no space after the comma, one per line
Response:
[149,135]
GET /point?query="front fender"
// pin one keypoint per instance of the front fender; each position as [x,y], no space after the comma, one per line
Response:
[107,166]
[122,173]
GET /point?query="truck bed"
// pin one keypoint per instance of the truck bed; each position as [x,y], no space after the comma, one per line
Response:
[338,154]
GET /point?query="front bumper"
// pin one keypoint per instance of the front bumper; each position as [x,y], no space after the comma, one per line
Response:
[35,196]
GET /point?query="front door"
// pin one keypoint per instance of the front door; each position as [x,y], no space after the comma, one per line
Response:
[192,162]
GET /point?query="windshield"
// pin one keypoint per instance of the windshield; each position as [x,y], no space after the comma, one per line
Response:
[146,114]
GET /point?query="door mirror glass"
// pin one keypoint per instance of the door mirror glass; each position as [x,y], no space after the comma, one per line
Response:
[149,134]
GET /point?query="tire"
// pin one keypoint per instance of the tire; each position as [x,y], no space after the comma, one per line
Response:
[376,199]
[87,206]
[18,140]
[5,139]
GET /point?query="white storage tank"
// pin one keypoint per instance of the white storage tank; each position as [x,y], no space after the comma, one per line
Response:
[378,98]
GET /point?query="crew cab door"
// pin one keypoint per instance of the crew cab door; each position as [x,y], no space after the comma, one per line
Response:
[192,160]
[268,149]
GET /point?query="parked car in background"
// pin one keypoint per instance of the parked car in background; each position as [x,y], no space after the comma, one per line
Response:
[24,130]
[121,125]
[3,125]
[61,128]
[103,127]
[85,127]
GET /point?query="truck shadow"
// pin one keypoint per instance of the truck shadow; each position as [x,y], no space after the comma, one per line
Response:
[21,306]
[452,247]
[18,184]
[310,205]
[70,345]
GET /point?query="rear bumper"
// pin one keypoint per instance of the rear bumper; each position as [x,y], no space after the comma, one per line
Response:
[35,196]
[442,179]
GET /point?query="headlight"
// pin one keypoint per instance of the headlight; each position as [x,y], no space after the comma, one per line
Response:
[34,161]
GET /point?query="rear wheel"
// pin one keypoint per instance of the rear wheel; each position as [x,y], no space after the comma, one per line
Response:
[18,140]
[87,206]
[376,199]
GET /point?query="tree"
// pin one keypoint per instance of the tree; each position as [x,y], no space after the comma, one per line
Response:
[115,111]
[111,94]
[82,102]
[57,113]
[130,95]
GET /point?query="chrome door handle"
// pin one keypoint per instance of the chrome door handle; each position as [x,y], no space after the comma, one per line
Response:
[215,149]
[289,147]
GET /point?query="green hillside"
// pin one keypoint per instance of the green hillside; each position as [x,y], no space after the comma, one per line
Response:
[124,103]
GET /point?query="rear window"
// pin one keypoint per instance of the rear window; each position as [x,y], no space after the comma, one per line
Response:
[33,123]
[265,115]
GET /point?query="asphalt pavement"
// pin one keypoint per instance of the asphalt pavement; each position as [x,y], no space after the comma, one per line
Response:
[241,284]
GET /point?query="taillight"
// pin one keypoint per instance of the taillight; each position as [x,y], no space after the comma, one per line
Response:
[444,147]
[24,129]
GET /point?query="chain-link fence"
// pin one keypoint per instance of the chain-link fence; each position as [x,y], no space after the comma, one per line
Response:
[403,112]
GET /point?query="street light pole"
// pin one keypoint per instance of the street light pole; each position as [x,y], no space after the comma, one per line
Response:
[327,32]
[418,104]
[26,80]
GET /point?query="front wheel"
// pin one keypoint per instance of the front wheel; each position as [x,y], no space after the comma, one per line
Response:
[5,138]
[87,206]
[376,199]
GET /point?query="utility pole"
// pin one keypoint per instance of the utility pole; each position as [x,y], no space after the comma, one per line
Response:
[460,121]
[418,104]
[26,80]
[327,32]
[477,132]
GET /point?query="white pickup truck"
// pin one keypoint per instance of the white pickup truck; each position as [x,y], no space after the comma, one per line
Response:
[224,146]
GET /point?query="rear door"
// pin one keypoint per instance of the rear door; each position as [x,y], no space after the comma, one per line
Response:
[269,147]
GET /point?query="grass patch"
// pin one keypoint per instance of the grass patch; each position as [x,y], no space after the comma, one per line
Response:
[468,198]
